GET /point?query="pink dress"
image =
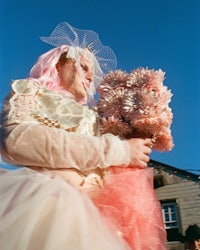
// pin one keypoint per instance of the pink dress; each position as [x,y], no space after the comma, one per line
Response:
[48,204]
[129,200]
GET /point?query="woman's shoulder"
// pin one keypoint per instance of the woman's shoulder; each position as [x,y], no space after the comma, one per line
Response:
[30,98]
[25,86]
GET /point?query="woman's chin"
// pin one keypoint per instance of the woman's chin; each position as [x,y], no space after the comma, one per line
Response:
[82,100]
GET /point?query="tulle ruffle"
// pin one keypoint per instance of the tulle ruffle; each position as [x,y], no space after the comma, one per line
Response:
[129,200]
[41,212]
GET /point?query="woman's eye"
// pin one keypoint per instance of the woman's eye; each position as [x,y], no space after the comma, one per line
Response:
[84,67]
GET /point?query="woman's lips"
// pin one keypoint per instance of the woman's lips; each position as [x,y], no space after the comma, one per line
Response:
[86,85]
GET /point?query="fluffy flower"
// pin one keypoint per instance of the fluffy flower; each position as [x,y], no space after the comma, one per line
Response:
[136,105]
[113,80]
[110,103]
[115,126]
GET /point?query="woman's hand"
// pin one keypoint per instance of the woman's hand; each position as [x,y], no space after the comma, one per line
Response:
[140,150]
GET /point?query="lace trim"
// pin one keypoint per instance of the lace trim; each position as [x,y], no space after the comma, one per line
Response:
[32,102]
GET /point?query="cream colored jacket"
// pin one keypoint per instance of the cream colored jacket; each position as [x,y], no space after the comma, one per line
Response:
[49,132]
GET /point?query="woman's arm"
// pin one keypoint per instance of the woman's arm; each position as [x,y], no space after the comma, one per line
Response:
[27,142]
[42,146]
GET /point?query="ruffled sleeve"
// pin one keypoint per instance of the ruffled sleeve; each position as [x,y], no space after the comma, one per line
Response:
[43,129]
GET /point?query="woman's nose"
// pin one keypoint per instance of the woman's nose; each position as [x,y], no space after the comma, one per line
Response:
[89,76]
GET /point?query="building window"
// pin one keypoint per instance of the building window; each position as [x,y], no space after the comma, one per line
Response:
[170,218]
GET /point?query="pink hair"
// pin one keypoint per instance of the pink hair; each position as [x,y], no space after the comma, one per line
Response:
[45,70]
[46,73]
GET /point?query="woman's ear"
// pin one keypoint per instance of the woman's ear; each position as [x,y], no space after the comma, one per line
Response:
[58,66]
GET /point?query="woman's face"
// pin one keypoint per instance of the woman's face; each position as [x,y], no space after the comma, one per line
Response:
[75,78]
[195,245]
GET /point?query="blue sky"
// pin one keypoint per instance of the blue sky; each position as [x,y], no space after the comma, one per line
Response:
[147,33]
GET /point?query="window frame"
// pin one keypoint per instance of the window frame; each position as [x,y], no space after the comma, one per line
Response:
[173,232]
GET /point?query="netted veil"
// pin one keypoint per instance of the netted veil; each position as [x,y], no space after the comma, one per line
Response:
[104,58]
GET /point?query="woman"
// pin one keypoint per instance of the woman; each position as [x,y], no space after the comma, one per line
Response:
[48,129]
[192,237]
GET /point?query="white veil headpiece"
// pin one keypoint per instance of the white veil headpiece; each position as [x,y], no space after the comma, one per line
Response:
[104,58]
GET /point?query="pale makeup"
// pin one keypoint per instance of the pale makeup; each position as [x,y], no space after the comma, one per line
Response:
[76,77]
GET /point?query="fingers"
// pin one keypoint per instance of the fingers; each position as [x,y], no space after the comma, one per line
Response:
[141,164]
[145,158]
[147,150]
[148,142]
[140,151]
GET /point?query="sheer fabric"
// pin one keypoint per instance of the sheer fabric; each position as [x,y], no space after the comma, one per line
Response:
[45,129]
[40,211]
[129,200]
[58,200]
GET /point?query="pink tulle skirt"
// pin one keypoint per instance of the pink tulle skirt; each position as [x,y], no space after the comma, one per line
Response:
[129,200]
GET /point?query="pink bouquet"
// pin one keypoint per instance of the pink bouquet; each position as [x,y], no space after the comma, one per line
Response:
[136,105]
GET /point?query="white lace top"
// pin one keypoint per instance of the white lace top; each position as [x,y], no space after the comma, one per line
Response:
[45,130]
[34,103]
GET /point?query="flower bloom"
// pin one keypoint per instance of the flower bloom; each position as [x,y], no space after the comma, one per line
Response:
[136,105]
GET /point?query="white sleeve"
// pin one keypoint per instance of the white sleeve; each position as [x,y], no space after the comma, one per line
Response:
[37,145]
